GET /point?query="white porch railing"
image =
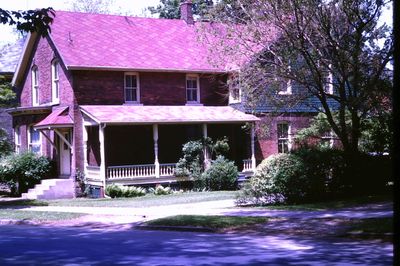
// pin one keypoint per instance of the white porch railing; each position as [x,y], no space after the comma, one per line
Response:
[93,173]
[167,169]
[247,166]
[131,171]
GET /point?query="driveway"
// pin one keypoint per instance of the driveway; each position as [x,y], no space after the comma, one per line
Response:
[32,245]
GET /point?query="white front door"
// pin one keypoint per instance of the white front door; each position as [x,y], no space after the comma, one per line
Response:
[65,155]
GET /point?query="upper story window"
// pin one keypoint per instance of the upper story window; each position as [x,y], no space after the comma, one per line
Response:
[55,81]
[192,89]
[328,83]
[17,139]
[235,92]
[35,141]
[35,86]
[131,88]
[284,143]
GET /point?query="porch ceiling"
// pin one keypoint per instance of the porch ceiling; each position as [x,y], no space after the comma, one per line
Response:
[129,114]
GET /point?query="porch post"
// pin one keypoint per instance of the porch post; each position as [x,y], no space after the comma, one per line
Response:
[85,140]
[205,151]
[102,156]
[155,138]
[253,157]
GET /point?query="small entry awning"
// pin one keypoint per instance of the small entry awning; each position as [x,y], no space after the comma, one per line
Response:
[58,118]
[137,114]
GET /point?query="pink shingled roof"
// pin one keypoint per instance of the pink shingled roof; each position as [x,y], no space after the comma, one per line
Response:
[57,118]
[109,41]
[130,114]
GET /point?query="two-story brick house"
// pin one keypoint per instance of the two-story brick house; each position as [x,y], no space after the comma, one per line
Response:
[116,97]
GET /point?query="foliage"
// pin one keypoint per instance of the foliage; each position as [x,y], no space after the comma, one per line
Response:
[329,44]
[160,190]
[5,145]
[23,171]
[377,132]
[118,191]
[192,163]
[37,20]
[221,175]
[170,9]
[279,178]
[92,6]
[7,96]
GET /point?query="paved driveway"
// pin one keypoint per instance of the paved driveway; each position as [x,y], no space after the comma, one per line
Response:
[32,245]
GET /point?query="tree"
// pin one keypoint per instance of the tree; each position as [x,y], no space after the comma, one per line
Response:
[92,6]
[333,52]
[38,20]
[170,9]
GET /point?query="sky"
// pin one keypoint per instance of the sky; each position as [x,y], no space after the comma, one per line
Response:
[8,35]
[132,7]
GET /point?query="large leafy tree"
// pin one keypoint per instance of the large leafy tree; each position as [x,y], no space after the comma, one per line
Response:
[38,20]
[92,6]
[170,9]
[334,52]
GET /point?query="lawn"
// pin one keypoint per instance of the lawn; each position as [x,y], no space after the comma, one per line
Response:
[212,222]
[331,205]
[39,216]
[145,201]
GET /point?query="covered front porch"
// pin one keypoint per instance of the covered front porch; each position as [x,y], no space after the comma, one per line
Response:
[140,145]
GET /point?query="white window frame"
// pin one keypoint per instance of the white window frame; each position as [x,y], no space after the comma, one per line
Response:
[38,143]
[35,86]
[55,81]
[137,87]
[17,139]
[232,99]
[328,83]
[191,77]
[288,90]
[288,139]
[329,136]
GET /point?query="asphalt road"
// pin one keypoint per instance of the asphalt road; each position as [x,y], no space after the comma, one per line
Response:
[34,245]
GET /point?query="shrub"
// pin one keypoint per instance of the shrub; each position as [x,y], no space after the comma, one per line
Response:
[23,171]
[5,144]
[279,178]
[221,175]
[160,190]
[118,191]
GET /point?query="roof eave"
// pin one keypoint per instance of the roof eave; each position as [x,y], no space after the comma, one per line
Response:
[113,68]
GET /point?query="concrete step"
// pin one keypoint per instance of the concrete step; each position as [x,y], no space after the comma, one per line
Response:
[52,189]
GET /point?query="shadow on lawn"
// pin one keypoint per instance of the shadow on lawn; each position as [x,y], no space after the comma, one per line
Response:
[41,245]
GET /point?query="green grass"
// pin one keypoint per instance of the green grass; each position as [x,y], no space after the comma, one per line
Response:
[326,205]
[13,214]
[208,221]
[147,201]
[378,226]
[22,203]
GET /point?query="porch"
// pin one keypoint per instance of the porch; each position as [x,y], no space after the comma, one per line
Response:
[143,146]
[144,174]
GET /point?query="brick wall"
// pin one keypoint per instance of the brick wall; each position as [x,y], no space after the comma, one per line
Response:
[267,136]
[156,88]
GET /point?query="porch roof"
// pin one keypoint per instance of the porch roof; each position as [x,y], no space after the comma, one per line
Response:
[136,114]
[56,119]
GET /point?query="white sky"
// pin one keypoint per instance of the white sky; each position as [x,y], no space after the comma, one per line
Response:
[7,34]
[132,7]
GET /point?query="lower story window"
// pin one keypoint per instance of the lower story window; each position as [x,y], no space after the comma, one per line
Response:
[131,95]
[34,141]
[17,139]
[327,139]
[283,138]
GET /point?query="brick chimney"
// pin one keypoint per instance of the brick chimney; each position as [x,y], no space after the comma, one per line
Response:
[186,11]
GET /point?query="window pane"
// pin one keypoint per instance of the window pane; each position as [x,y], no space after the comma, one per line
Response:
[283,146]
[130,95]
[191,95]
[283,130]
[56,70]
[35,137]
[191,83]
[128,81]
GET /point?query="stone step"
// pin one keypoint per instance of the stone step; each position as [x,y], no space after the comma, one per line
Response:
[51,189]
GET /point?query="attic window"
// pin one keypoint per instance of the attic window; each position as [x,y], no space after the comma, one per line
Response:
[131,88]
[35,86]
[55,81]
[235,92]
